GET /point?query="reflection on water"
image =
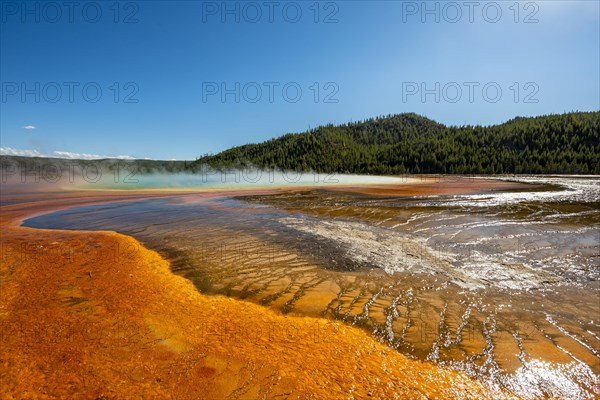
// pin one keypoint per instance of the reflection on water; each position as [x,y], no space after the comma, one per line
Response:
[503,286]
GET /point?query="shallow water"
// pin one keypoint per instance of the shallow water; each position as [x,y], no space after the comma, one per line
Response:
[503,286]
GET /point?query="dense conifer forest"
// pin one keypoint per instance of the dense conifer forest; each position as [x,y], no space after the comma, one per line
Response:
[409,143]
[394,144]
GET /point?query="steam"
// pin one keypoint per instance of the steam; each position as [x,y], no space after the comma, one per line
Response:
[44,174]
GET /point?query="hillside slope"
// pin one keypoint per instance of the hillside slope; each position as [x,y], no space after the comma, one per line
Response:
[409,143]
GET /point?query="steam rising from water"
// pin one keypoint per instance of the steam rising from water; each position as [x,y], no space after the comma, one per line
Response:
[112,174]
[528,321]
[249,178]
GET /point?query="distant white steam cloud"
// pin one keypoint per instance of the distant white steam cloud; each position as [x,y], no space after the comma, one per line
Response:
[9,151]
[29,127]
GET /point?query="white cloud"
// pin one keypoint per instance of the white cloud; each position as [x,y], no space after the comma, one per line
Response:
[9,151]
[85,156]
[29,127]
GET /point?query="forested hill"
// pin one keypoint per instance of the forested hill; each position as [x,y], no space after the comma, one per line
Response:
[409,143]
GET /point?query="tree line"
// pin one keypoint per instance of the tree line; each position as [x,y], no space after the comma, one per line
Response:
[409,143]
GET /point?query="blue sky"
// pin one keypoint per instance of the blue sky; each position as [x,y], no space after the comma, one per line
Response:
[161,68]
